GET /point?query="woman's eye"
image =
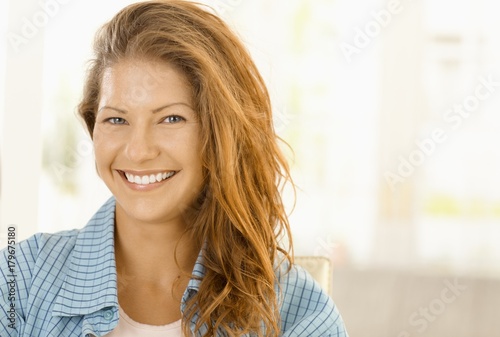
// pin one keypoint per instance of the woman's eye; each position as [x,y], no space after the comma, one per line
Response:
[174,119]
[116,120]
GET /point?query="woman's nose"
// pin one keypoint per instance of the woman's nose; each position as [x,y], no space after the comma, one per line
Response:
[141,145]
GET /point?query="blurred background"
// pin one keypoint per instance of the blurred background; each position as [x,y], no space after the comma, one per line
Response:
[391,108]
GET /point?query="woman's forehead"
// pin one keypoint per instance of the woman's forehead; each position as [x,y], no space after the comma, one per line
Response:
[144,82]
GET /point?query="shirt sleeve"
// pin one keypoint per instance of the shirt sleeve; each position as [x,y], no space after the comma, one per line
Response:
[16,265]
[306,308]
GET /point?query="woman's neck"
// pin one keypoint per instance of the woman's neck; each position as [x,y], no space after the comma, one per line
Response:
[153,250]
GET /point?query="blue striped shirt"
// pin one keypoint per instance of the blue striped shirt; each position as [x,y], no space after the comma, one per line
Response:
[65,285]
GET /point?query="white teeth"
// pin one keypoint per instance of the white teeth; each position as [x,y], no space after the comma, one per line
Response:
[150,179]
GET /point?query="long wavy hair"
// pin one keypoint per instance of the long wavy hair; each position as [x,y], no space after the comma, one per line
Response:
[240,219]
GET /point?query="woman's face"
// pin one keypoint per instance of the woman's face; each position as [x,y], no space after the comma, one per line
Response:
[146,141]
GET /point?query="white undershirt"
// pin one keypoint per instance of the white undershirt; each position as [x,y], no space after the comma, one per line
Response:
[129,328]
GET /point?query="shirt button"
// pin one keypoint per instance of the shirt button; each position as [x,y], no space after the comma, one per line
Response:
[108,315]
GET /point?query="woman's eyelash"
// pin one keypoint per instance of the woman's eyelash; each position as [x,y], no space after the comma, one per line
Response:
[173,119]
[115,120]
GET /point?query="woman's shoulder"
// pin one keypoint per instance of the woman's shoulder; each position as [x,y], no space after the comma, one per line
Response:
[48,252]
[42,243]
[45,248]
[297,284]
[53,248]
[39,260]
[306,308]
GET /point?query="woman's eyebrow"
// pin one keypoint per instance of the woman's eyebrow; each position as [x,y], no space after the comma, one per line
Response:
[112,108]
[154,111]
[170,105]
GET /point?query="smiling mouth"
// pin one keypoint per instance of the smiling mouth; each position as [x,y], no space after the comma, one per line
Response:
[148,179]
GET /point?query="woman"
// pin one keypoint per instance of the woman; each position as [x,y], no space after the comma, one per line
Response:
[190,242]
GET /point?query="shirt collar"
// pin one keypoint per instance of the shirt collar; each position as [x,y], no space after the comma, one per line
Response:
[90,283]
[198,273]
